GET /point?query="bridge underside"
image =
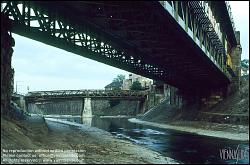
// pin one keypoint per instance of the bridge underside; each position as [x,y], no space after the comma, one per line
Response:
[140,37]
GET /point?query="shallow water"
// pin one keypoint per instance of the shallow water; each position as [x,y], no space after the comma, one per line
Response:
[184,147]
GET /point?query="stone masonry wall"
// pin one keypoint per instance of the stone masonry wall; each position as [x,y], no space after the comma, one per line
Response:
[236,61]
[7,42]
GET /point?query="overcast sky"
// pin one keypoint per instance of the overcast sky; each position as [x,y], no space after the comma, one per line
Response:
[43,67]
[240,11]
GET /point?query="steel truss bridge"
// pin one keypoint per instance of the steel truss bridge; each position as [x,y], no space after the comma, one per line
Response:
[37,96]
[170,41]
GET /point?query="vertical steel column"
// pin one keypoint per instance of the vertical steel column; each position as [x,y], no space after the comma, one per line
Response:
[186,18]
[176,11]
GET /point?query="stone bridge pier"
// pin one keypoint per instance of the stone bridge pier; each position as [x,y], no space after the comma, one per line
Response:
[216,95]
[7,42]
[207,98]
[87,109]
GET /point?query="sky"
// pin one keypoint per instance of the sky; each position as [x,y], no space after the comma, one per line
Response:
[42,67]
[240,11]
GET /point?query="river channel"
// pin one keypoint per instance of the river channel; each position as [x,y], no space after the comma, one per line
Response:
[183,147]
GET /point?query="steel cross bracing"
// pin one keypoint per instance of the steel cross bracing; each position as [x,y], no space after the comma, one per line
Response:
[153,56]
[30,20]
[95,94]
[194,17]
[206,26]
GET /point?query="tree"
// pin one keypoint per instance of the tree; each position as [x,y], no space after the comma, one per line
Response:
[245,63]
[245,69]
[117,82]
[136,86]
[119,78]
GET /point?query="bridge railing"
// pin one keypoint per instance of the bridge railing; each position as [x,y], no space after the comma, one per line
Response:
[230,15]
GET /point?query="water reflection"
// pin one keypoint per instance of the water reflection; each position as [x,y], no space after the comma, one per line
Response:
[187,148]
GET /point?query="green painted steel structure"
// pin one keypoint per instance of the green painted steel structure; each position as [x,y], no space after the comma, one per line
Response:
[38,96]
[169,41]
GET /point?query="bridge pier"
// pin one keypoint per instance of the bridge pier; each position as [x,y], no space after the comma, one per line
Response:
[167,92]
[22,103]
[218,94]
[33,108]
[236,62]
[87,110]
[199,100]
[210,97]
[213,97]
[175,97]
[142,106]
[87,120]
[7,42]
[172,95]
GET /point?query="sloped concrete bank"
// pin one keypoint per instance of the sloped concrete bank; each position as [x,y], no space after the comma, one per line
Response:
[225,131]
[229,119]
[99,146]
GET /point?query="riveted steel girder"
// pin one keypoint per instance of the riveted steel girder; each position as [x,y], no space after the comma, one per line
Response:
[93,33]
[38,96]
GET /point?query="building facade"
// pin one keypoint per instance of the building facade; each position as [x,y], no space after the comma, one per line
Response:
[145,82]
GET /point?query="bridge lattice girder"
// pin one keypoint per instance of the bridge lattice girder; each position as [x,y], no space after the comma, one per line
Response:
[140,37]
[37,96]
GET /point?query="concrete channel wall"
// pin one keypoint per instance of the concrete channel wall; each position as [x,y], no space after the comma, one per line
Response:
[79,107]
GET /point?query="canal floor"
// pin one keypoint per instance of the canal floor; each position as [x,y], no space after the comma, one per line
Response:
[183,147]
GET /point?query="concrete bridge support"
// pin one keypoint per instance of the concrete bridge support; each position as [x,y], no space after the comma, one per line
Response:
[20,101]
[141,106]
[172,95]
[167,92]
[22,104]
[87,110]
[34,108]
[7,42]
[175,97]
[87,120]
[212,98]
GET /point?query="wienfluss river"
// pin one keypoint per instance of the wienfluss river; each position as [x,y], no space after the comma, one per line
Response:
[183,147]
